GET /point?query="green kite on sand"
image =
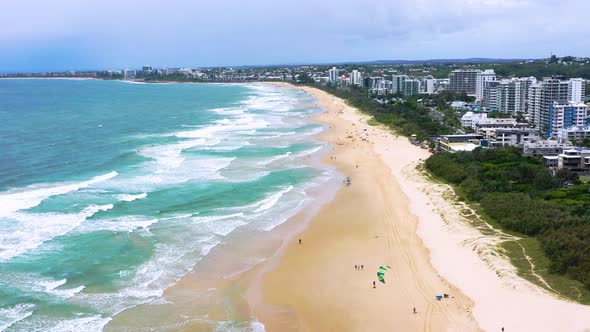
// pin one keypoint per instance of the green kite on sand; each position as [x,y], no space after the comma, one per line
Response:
[381,272]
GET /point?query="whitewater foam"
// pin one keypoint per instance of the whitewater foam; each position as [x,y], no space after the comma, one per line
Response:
[30,230]
[130,197]
[26,198]
[122,224]
[11,315]
[270,201]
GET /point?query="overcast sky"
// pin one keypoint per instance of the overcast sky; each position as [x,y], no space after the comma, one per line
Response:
[92,34]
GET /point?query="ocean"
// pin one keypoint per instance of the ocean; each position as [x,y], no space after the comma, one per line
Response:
[111,191]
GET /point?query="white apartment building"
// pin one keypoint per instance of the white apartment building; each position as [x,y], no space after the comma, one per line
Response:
[429,86]
[533,105]
[481,79]
[469,118]
[575,90]
[566,115]
[356,77]
[488,127]
[333,75]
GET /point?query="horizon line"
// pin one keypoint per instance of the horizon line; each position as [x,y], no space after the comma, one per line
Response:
[471,60]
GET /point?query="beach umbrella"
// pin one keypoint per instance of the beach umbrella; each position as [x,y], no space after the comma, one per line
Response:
[381,272]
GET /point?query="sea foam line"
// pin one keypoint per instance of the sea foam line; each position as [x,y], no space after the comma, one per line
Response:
[33,229]
[27,198]
[10,316]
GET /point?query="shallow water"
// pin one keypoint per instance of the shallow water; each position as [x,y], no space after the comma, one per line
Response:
[110,191]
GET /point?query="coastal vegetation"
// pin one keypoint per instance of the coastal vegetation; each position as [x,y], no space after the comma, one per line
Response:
[522,196]
[567,68]
[407,116]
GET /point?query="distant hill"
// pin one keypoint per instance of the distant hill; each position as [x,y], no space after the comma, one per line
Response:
[468,60]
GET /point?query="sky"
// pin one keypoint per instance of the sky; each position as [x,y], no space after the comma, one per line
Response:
[46,35]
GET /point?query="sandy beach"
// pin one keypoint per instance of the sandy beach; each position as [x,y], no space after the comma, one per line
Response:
[392,215]
[315,286]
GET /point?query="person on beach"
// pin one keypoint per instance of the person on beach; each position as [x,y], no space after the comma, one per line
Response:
[299,241]
[374,285]
[414,310]
[355,267]
[362,267]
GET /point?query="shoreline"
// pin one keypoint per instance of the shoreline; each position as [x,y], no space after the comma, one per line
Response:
[212,291]
[325,292]
[432,250]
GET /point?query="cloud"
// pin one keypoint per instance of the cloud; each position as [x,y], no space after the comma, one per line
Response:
[183,32]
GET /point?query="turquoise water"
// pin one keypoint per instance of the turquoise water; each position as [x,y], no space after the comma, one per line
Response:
[111,191]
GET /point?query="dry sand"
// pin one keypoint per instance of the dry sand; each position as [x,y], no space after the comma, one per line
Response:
[315,286]
[431,248]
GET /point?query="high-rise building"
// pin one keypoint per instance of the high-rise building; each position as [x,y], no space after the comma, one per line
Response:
[356,77]
[481,79]
[463,81]
[533,105]
[511,96]
[147,70]
[398,83]
[429,86]
[575,90]
[411,87]
[490,95]
[552,90]
[333,75]
[566,115]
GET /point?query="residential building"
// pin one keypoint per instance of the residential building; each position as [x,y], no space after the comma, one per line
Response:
[552,90]
[356,77]
[429,86]
[490,96]
[545,148]
[566,115]
[147,70]
[551,161]
[398,83]
[575,90]
[574,159]
[513,137]
[411,87]
[575,133]
[441,85]
[456,143]
[333,75]
[127,73]
[488,127]
[463,81]
[469,118]
[481,79]
[533,105]
[510,98]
